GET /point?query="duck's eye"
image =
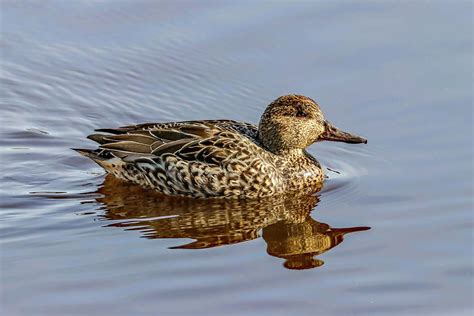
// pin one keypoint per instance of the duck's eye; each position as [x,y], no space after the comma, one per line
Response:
[301,113]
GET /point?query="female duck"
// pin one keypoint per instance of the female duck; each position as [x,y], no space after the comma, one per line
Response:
[223,158]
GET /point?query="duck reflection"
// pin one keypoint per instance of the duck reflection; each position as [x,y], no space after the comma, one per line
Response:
[288,229]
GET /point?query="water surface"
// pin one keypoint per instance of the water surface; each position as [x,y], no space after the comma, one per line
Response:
[75,242]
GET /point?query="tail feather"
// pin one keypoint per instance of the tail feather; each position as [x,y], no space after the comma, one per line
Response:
[99,138]
[115,131]
[82,151]
[110,163]
[89,153]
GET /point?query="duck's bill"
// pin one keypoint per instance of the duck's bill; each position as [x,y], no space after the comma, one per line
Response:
[332,133]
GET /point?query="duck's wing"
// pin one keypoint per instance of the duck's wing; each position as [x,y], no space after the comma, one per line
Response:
[192,127]
[205,141]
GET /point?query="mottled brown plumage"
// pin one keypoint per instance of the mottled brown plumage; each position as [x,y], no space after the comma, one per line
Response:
[222,158]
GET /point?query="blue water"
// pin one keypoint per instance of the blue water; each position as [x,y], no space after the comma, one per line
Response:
[397,73]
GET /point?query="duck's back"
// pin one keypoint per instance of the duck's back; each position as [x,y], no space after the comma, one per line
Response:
[219,158]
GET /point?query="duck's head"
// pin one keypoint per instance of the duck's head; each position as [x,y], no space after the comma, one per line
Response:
[295,122]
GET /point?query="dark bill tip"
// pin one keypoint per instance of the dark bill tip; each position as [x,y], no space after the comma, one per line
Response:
[334,134]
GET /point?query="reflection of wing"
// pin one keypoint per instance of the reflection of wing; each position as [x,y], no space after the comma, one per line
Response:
[210,222]
[288,230]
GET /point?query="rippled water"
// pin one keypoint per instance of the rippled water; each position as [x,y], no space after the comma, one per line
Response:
[74,242]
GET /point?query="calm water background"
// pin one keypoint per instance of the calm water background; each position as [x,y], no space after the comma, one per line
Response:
[399,74]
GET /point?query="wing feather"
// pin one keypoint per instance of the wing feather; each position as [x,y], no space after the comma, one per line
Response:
[128,146]
[138,138]
[171,147]
[170,134]
[210,142]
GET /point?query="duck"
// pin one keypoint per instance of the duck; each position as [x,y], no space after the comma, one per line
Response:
[223,158]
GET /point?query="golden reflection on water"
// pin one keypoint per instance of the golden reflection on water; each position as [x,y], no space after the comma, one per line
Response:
[288,229]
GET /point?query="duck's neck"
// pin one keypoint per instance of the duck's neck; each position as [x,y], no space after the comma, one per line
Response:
[294,153]
[298,158]
[301,170]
